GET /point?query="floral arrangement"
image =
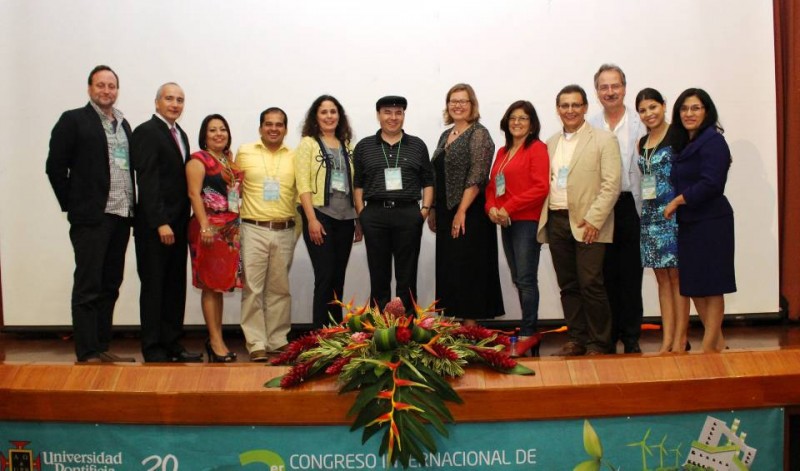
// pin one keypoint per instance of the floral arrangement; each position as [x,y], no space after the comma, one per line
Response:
[399,363]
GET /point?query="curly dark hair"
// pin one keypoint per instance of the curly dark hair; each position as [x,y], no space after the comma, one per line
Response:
[311,125]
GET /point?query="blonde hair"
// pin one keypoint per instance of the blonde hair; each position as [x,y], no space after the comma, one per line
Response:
[475,113]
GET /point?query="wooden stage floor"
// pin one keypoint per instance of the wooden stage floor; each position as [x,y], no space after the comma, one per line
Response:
[760,368]
[39,381]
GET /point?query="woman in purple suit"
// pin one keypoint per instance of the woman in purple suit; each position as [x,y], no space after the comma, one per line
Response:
[705,217]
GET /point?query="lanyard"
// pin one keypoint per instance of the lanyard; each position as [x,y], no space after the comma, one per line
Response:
[277,167]
[649,155]
[506,159]
[337,159]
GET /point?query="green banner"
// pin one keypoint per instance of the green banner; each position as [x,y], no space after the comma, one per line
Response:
[717,440]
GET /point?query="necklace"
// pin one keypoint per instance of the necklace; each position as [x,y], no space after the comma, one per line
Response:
[225,165]
[648,151]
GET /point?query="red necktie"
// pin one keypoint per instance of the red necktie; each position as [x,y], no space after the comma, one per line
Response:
[174,132]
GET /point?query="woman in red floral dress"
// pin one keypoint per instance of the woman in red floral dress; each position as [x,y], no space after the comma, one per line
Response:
[214,182]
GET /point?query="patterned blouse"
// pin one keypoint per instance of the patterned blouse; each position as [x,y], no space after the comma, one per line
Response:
[467,161]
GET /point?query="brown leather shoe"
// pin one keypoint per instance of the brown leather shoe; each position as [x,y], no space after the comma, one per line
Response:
[571,349]
[259,356]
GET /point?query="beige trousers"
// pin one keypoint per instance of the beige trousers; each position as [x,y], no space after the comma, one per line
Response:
[266,301]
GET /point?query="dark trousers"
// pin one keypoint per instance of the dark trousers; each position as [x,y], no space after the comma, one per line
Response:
[162,300]
[329,261]
[579,271]
[522,254]
[99,265]
[622,270]
[392,234]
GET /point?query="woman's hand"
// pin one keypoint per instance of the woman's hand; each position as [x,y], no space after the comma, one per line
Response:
[316,232]
[459,224]
[672,206]
[358,235]
[207,234]
[493,215]
[503,218]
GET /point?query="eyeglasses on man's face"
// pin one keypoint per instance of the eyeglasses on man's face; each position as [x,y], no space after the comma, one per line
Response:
[570,106]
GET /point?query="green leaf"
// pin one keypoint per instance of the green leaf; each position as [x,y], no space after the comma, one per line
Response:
[370,431]
[410,446]
[588,465]
[368,394]
[591,442]
[432,403]
[442,387]
[412,425]
[372,411]
[274,382]
[521,370]
[412,368]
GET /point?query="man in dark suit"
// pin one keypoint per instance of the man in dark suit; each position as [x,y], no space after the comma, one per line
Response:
[159,149]
[89,169]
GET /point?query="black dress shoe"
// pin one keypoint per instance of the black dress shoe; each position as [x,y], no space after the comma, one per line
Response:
[633,348]
[157,359]
[108,357]
[185,356]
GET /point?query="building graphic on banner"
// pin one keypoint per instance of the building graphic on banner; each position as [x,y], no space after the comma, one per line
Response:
[708,453]
[20,458]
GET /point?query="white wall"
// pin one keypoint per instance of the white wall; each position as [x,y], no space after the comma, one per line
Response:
[239,57]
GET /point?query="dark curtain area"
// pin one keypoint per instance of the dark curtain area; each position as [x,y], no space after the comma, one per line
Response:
[787,80]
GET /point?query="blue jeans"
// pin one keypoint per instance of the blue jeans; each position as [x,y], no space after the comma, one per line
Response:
[522,254]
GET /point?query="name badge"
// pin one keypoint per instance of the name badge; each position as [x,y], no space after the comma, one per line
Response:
[121,159]
[272,189]
[233,198]
[338,181]
[500,184]
[394,179]
[648,187]
[561,182]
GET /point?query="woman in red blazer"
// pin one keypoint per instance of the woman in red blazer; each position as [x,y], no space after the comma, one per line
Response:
[518,186]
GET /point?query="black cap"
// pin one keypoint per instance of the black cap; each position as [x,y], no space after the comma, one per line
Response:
[391,100]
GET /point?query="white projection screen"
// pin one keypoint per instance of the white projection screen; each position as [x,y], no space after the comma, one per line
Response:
[238,57]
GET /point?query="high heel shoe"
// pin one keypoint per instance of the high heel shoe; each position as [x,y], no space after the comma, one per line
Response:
[526,344]
[214,358]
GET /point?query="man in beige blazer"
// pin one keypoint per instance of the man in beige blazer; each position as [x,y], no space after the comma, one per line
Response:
[577,221]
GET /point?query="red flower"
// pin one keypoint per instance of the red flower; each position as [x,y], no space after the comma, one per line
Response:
[336,367]
[395,307]
[478,333]
[474,332]
[403,335]
[444,352]
[294,349]
[297,374]
[496,359]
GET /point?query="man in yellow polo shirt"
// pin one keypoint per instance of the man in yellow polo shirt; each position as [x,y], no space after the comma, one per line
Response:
[268,237]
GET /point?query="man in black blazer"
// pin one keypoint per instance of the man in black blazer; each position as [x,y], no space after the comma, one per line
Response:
[89,169]
[159,150]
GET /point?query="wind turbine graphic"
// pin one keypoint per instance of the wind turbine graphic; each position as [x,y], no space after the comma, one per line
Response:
[645,449]
[678,454]
[662,452]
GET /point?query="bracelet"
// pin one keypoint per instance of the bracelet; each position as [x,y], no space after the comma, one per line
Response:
[425,207]
[207,230]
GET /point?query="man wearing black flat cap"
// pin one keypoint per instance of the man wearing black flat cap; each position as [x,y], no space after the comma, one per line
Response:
[392,173]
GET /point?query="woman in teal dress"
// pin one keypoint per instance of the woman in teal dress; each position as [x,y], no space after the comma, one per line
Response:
[659,236]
